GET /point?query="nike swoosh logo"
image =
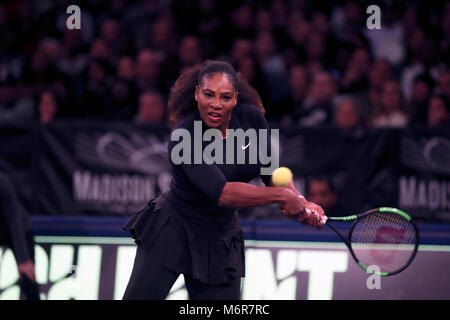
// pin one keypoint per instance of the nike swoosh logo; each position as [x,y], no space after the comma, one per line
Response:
[245,147]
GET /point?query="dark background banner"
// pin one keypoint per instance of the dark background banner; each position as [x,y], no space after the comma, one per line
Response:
[424,173]
[100,168]
[114,168]
[17,157]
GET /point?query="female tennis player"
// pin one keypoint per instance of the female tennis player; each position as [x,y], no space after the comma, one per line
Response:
[193,229]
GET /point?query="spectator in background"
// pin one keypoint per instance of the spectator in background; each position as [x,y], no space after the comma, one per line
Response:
[138,17]
[190,52]
[208,23]
[163,39]
[242,48]
[47,107]
[123,90]
[151,109]
[416,45]
[444,42]
[42,71]
[116,9]
[73,58]
[73,61]
[315,52]
[241,24]
[391,112]
[420,59]
[348,22]
[298,81]
[209,19]
[296,37]
[321,192]
[267,55]
[347,114]
[38,51]
[251,71]
[279,14]
[355,78]
[162,36]
[99,50]
[380,72]
[444,84]
[96,101]
[242,59]
[110,34]
[422,89]
[273,69]
[148,70]
[320,22]
[410,20]
[263,20]
[126,69]
[318,105]
[438,112]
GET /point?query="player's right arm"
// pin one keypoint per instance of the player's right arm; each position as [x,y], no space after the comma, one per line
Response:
[243,195]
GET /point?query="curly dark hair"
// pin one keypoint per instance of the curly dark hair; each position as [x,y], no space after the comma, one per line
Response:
[181,98]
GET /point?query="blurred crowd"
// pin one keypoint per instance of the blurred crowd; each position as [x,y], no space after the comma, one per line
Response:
[314,63]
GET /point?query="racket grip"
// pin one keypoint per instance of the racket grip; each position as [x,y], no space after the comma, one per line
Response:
[324,217]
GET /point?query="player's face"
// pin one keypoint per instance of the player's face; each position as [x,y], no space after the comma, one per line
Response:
[216,97]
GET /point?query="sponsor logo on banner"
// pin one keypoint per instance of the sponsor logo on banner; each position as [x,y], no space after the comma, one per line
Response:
[427,154]
[119,173]
[425,192]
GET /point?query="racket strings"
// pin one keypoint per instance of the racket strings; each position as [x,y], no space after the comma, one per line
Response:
[385,240]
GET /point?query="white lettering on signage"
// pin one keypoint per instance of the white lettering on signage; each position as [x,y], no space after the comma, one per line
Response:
[124,266]
[262,282]
[321,266]
[429,194]
[85,283]
[106,188]
[8,276]
[269,276]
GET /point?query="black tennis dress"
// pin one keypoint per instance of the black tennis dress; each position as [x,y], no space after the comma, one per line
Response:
[185,226]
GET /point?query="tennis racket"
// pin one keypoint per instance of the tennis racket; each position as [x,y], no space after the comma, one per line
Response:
[383,237]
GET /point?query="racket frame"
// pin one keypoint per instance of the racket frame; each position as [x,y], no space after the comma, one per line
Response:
[355,218]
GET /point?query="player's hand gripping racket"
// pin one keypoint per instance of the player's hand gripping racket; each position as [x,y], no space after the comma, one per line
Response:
[383,237]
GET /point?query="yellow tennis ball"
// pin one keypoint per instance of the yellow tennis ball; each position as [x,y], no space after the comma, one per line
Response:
[282,176]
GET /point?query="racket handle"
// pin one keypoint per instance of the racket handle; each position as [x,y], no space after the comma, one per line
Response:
[324,217]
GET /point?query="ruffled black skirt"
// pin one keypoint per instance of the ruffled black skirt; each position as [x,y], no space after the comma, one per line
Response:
[187,247]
